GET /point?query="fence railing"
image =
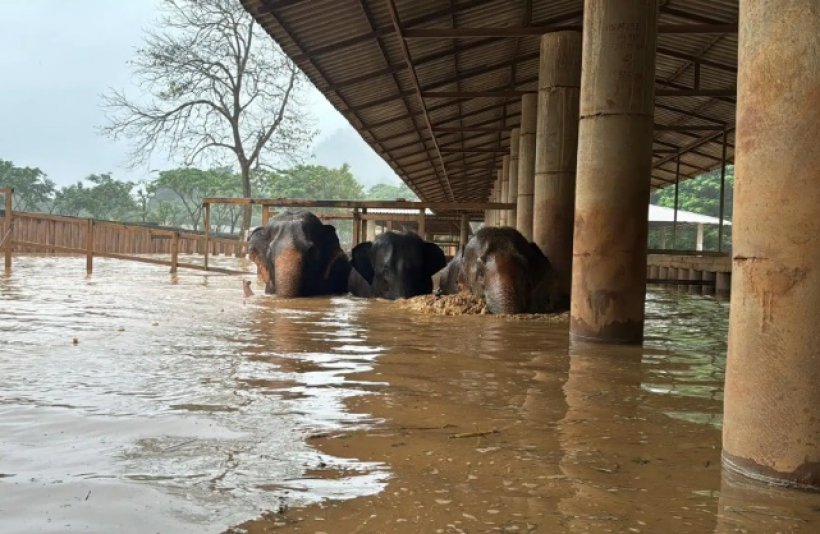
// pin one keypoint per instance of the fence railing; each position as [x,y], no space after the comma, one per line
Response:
[27,232]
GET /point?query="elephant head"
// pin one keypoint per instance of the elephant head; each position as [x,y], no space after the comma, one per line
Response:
[296,256]
[398,265]
[511,274]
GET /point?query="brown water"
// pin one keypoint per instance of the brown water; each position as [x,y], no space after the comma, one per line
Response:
[185,408]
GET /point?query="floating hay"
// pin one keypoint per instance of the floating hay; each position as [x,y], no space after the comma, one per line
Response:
[465,303]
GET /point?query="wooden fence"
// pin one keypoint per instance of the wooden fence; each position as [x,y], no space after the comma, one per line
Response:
[26,232]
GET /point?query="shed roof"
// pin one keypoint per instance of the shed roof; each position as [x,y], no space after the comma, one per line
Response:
[434,87]
[667,215]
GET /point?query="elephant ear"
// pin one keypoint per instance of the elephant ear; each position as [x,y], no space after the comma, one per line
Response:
[330,240]
[259,239]
[539,263]
[362,261]
[434,259]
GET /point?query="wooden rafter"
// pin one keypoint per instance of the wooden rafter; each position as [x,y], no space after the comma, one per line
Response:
[394,15]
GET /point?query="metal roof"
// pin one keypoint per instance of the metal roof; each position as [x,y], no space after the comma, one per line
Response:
[434,87]
[662,214]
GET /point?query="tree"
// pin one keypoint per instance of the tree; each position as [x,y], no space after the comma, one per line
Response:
[698,195]
[107,199]
[390,192]
[186,186]
[33,191]
[313,182]
[218,85]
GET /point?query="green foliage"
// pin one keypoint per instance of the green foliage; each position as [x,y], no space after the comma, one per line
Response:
[32,189]
[174,197]
[390,192]
[311,182]
[106,199]
[698,195]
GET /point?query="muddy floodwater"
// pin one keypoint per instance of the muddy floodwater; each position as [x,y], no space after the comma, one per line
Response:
[137,401]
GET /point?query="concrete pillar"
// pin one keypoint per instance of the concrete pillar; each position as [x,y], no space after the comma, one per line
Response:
[697,276]
[771,428]
[556,151]
[614,163]
[526,164]
[723,282]
[699,237]
[653,272]
[505,188]
[512,174]
[499,214]
[709,278]
[663,273]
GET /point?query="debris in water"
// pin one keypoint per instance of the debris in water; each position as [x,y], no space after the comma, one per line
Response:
[75,341]
[155,323]
[246,288]
[473,434]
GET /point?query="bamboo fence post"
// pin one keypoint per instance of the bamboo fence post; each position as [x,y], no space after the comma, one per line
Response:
[174,252]
[207,232]
[422,224]
[357,227]
[89,246]
[8,227]
[463,231]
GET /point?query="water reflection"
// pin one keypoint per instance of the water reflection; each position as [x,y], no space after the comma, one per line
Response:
[184,407]
[178,398]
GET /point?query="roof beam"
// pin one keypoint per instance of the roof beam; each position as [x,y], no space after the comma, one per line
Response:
[523,31]
[694,144]
[474,94]
[728,92]
[499,31]
[394,16]
[475,150]
[685,128]
[692,114]
[695,59]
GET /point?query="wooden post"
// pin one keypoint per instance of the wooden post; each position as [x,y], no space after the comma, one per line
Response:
[675,219]
[207,224]
[722,193]
[265,214]
[89,246]
[422,225]
[174,252]
[363,225]
[8,227]
[357,228]
[464,231]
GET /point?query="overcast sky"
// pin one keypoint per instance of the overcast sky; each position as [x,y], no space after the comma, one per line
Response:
[58,56]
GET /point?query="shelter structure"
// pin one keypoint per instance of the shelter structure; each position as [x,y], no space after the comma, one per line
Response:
[661,216]
[627,96]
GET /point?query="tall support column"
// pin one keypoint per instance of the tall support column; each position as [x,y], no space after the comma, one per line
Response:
[556,150]
[771,429]
[512,174]
[505,188]
[675,218]
[497,221]
[526,164]
[614,164]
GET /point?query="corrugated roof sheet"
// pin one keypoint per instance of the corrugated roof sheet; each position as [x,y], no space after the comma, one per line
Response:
[352,53]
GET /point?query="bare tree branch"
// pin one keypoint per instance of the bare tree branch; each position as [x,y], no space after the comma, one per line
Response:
[214,85]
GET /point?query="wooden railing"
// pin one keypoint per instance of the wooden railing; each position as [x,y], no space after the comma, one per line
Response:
[27,232]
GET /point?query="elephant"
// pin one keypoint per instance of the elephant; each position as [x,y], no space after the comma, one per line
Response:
[498,264]
[298,256]
[398,264]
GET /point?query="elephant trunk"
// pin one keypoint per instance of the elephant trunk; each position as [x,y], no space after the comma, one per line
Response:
[505,290]
[288,273]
